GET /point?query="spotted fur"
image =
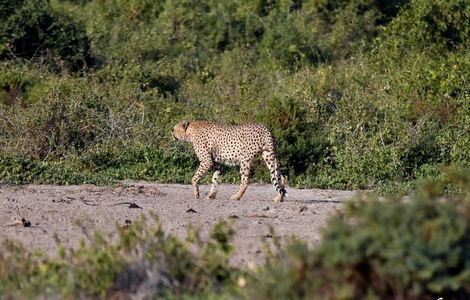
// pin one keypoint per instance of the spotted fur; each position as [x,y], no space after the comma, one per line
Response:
[215,144]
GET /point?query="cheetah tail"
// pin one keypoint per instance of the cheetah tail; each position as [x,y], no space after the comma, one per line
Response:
[283,184]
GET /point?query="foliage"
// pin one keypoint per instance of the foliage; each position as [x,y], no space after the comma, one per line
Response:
[144,261]
[388,248]
[391,247]
[430,24]
[359,94]
[32,30]
[300,138]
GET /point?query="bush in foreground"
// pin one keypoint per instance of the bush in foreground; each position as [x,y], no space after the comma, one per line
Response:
[390,248]
[144,262]
[377,248]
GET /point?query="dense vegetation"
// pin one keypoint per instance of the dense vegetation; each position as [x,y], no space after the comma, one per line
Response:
[375,249]
[359,93]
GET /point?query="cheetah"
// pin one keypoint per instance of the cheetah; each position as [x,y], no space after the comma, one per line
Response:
[215,144]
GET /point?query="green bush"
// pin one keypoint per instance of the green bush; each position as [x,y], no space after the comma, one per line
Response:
[359,94]
[31,30]
[380,248]
[104,166]
[437,25]
[301,140]
[393,247]
[143,261]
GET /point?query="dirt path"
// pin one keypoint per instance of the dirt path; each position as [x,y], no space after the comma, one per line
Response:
[53,210]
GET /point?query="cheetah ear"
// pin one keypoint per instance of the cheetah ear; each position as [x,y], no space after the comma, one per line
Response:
[185,125]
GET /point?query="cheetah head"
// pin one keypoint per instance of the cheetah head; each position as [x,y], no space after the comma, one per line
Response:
[179,131]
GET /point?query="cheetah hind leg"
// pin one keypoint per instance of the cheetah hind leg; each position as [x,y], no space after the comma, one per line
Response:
[240,193]
[277,179]
[281,195]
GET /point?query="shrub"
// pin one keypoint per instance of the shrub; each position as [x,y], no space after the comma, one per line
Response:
[359,94]
[31,30]
[66,125]
[301,140]
[433,25]
[381,248]
[144,261]
[375,248]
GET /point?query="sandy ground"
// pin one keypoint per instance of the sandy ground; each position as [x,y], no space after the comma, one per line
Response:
[53,211]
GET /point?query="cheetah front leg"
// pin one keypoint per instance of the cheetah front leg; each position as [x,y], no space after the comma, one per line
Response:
[204,166]
[245,172]
[215,177]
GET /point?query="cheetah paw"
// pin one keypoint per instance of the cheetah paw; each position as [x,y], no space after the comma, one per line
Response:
[235,197]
